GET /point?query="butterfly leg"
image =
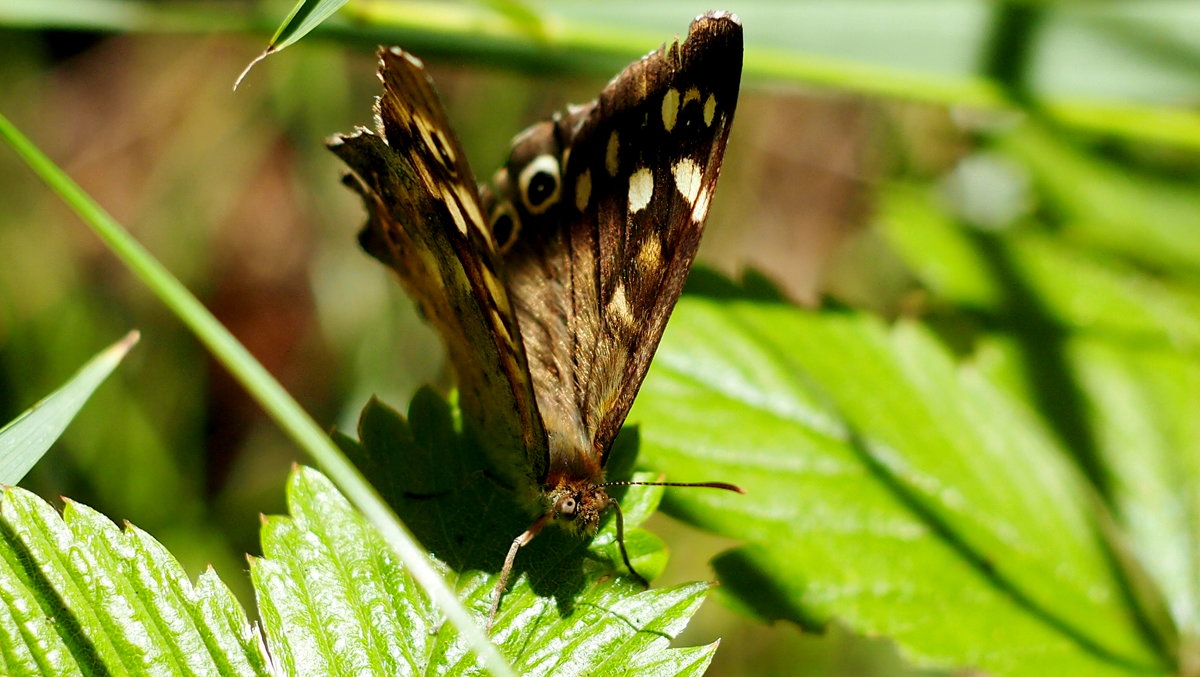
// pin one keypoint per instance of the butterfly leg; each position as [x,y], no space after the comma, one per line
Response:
[518,543]
[621,543]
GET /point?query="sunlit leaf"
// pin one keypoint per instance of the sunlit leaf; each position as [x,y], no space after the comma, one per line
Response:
[82,595]
[888,489]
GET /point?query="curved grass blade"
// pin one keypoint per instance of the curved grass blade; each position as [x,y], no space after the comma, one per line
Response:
[305,16]
[263,387]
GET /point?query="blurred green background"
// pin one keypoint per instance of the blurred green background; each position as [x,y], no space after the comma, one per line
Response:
[1072,120]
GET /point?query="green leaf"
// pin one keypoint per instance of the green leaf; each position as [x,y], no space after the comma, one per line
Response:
[1122,345]
[335,600]
[78,595]
[1008,278]
[1144,410]
[81,596]
[1108,204]
[1135,405]
[29,436]
[887,488]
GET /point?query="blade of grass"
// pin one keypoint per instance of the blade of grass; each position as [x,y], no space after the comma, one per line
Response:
[28,437]
[305,16]
[278,403]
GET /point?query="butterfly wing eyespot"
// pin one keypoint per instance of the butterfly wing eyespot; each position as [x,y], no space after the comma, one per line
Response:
[505,225]
[540,183]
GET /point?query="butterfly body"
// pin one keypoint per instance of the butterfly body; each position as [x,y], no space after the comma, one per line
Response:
[552,287]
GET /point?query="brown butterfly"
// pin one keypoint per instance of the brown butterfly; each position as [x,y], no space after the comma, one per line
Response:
[551,289]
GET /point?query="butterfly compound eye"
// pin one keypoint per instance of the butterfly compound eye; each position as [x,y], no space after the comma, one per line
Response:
[539,183]
[567,506]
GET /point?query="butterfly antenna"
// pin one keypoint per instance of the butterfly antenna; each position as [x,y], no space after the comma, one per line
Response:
[709,485]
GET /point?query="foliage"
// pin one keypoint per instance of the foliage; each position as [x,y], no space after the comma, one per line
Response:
[998,472]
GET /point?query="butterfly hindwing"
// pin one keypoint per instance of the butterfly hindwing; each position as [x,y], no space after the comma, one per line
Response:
[599,214]
[425,222]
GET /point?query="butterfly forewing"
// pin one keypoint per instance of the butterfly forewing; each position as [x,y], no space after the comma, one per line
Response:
[425,222]
[552,289]
[599,214]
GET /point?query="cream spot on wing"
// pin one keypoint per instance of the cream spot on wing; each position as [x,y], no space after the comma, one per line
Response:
[701,209]
[495,289]
[449,199]
[611,159]
[437,142]
[498,325]
[468,200]
[670,108]
[710,109]
[692,94]
[641,189]
[618,306]
[583,190]
[650,256]
[687,179]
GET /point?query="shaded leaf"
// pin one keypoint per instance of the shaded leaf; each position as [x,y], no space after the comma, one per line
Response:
[336,601]
[571,607]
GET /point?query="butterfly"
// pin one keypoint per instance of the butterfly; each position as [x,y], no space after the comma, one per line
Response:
[552,287]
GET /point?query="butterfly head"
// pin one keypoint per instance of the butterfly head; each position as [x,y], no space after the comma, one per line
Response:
[577,506]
